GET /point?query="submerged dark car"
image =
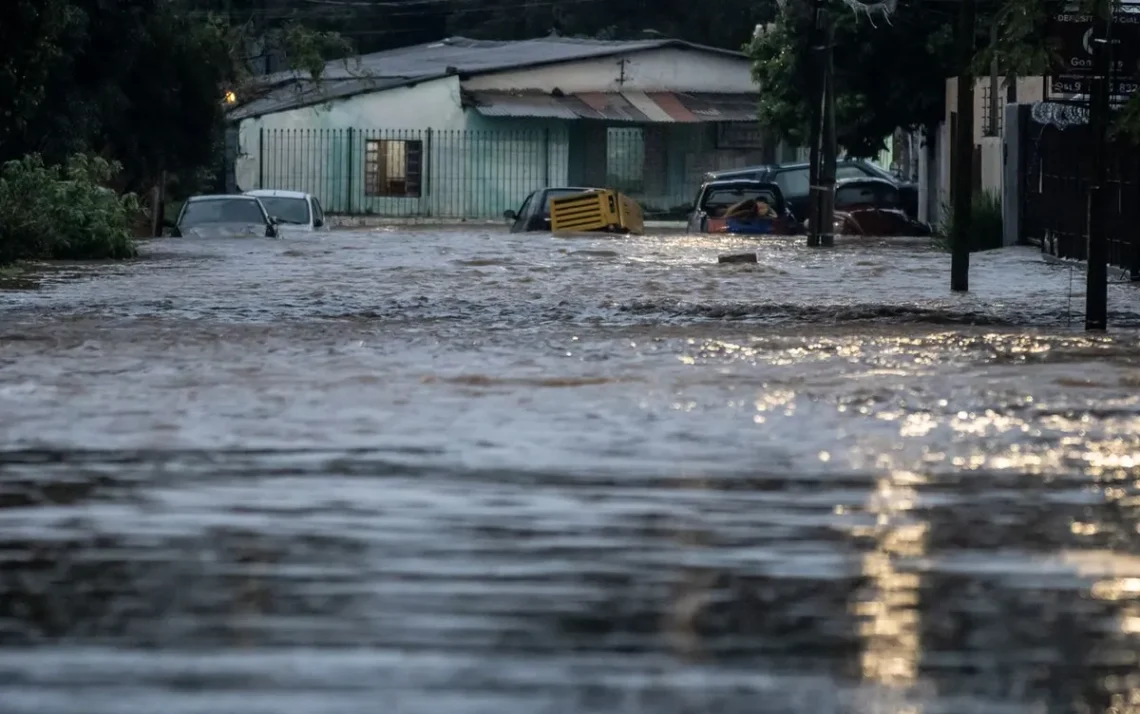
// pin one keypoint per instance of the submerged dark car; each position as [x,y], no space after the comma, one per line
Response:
[742,207]
[224,216]
[873,207]
[534,213]
[795,181]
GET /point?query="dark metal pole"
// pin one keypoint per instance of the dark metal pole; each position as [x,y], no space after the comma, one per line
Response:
[830,144]
[995,104]
[1096,288]
[815,92]
[963,180]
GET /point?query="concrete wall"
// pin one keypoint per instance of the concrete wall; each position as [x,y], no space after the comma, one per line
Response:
[504,160]
[673,70]
[1029,89]
[991,164]
[320,149]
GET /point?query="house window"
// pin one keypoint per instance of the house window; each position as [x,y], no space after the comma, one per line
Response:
[393,167]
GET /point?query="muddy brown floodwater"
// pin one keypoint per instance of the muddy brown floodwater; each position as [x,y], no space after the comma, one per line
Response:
[454,472]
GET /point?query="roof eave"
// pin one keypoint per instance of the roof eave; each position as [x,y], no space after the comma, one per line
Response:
[662,45]
[235,115]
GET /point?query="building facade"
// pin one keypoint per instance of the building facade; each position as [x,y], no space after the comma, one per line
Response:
[466,129]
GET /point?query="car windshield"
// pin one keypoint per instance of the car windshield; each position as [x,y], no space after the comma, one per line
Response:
[719,200]
[287,210]
[221,210]
[865,194]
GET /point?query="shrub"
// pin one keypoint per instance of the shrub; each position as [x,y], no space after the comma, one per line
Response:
[64,213]
[987,230]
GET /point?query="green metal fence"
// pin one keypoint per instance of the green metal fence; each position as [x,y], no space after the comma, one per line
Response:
[442,174]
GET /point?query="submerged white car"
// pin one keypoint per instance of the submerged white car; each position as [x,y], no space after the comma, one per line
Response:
[293,211]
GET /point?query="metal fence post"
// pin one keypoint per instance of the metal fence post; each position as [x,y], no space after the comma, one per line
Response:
[425,169]
[348,174]
[546,156]
[261,157]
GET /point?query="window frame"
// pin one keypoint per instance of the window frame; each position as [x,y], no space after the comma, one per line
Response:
[318,212]
[378,160]
[778,175]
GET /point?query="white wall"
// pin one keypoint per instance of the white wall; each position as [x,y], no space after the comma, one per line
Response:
[992,165]
[429,105]
[1029,89]
[668,69]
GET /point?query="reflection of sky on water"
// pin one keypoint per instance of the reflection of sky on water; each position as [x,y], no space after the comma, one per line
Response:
[459,474]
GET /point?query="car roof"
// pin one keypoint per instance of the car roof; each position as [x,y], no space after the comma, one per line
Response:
[222,197]
[745,183]
[276,193]
[865,179]
[582,189]
[742,182]
[778,167]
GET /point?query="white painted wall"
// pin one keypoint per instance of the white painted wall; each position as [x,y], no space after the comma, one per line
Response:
[667,69]
[1029,89]
[992,165]
[433,104]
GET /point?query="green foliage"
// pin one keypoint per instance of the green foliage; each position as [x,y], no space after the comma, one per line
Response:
[64,212]
[310,50]
[888,75]
[987,228]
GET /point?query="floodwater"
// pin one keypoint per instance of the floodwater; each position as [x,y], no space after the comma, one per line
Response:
[457,471]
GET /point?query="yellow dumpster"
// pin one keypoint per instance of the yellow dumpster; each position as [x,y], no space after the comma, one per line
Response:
[607,211]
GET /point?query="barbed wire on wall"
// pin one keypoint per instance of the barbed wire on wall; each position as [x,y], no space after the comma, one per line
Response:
[881,8]
[1058,114]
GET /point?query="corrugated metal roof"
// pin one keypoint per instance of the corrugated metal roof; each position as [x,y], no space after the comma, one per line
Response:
[304,93]
[454,55]
[720,107]
[467,56]
[536,104]
[618,106]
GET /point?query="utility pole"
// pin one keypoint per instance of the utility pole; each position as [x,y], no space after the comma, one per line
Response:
[830,145]
[963,179]
[1096,288]
[995,106]
[815,92]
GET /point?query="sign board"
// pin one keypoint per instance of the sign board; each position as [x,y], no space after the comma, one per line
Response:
[1082,84]
[1071,35]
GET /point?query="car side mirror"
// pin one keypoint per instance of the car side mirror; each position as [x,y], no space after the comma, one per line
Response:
[318,223]
[510,215]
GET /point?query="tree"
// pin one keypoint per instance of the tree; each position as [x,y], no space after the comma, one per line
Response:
[34,36]
[718,23]
[889,74]
[132,81]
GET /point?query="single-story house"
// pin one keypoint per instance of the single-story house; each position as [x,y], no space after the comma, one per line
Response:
[467,128]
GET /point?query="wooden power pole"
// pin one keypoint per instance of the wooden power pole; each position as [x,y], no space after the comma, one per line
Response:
[815,94]
[1096,288]
[963,178]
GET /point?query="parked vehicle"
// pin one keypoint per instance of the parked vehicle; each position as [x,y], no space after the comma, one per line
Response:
[795,181]
[223,216]
[873,207]
[743,207]
[534,213]
[294,211]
